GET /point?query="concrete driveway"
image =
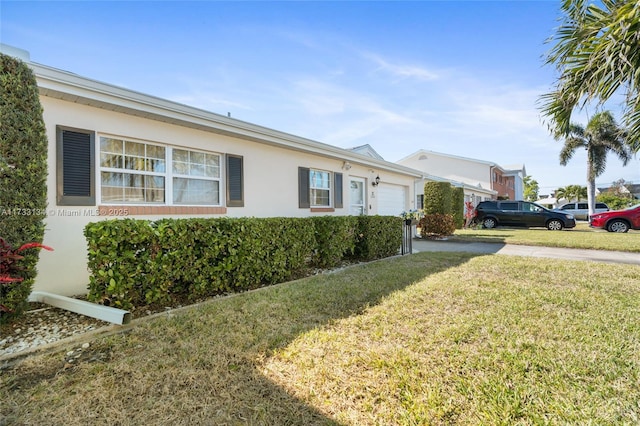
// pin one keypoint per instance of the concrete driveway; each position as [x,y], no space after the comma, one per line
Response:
[420,245]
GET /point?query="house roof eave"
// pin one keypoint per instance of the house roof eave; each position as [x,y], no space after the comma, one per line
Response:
[67,86]
[466,186]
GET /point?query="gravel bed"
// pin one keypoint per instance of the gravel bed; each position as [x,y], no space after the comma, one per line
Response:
[42,325]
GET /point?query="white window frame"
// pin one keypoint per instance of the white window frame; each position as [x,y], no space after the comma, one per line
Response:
[217,178]
[313,187]
[122,170]
[168,174]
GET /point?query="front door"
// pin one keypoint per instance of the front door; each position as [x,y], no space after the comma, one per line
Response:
[357,197]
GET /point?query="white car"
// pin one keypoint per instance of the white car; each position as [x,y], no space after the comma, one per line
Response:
[581,210]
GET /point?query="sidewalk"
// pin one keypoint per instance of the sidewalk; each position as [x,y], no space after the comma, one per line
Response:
[420,245]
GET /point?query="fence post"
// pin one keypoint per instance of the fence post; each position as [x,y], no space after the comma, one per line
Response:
[407,238]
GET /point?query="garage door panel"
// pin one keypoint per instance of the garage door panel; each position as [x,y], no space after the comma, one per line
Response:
[391,199]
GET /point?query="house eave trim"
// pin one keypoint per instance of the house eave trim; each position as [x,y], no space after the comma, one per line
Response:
[70,87]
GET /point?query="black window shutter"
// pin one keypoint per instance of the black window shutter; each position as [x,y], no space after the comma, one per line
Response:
[337,192]
[235,181]
[75,167]
[304,201]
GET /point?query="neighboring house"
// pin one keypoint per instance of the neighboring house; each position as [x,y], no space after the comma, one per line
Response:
[551,202]
[633,190]
[482,180]
[475,194]
[516,174]
[116,153]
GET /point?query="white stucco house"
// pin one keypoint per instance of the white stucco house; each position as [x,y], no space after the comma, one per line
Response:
[481,180]
[115,153]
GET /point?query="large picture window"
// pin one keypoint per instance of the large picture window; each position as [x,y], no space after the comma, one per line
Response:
[144,173]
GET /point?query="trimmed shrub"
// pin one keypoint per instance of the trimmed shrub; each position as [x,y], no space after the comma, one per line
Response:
[437,225]
[23,174]
[437,198]
[120,254]
[378,237]
[137,262]
[335,239]
[457,206]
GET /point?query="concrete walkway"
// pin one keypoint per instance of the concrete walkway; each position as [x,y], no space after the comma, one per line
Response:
[420,245]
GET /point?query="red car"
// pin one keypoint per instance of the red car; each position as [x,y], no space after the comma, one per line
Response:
[617,220]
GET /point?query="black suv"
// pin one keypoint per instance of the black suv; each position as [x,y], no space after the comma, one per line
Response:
[520,213]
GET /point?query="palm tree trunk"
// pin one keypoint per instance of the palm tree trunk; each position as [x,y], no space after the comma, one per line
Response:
[591,196]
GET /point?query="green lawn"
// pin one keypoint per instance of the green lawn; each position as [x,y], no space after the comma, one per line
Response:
[432,338]
[581,237]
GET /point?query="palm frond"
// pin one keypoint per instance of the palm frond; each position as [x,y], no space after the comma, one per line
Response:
[596,52]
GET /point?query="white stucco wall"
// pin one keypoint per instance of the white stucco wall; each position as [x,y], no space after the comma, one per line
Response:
[452,168]
[270,182]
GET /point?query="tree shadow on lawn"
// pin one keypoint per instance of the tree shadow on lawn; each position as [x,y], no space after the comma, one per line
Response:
[467,244]
[205,365]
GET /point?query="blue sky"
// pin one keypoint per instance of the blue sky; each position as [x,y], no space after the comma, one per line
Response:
[458,77]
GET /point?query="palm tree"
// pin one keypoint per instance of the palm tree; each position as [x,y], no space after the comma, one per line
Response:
[601,136]
[561,193]
[596,53]
[572,193]
[581,192]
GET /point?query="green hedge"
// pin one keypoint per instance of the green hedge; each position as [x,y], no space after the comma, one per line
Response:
[443,209]
[437,197]
[137,262]
[378,237]
[335,239]
[457,206]
[23,174]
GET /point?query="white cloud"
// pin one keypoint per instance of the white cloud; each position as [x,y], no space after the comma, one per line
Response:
[401,71]
[457,112]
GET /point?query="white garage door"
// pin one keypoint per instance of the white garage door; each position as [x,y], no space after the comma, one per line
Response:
[391,199]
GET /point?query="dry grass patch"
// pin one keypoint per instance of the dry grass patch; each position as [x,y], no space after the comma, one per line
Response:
[495,341]
[433,338]
[203,365]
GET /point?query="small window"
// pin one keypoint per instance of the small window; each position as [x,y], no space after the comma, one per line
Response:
[567,207]
[319,189]
[320,186]
[582,206]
